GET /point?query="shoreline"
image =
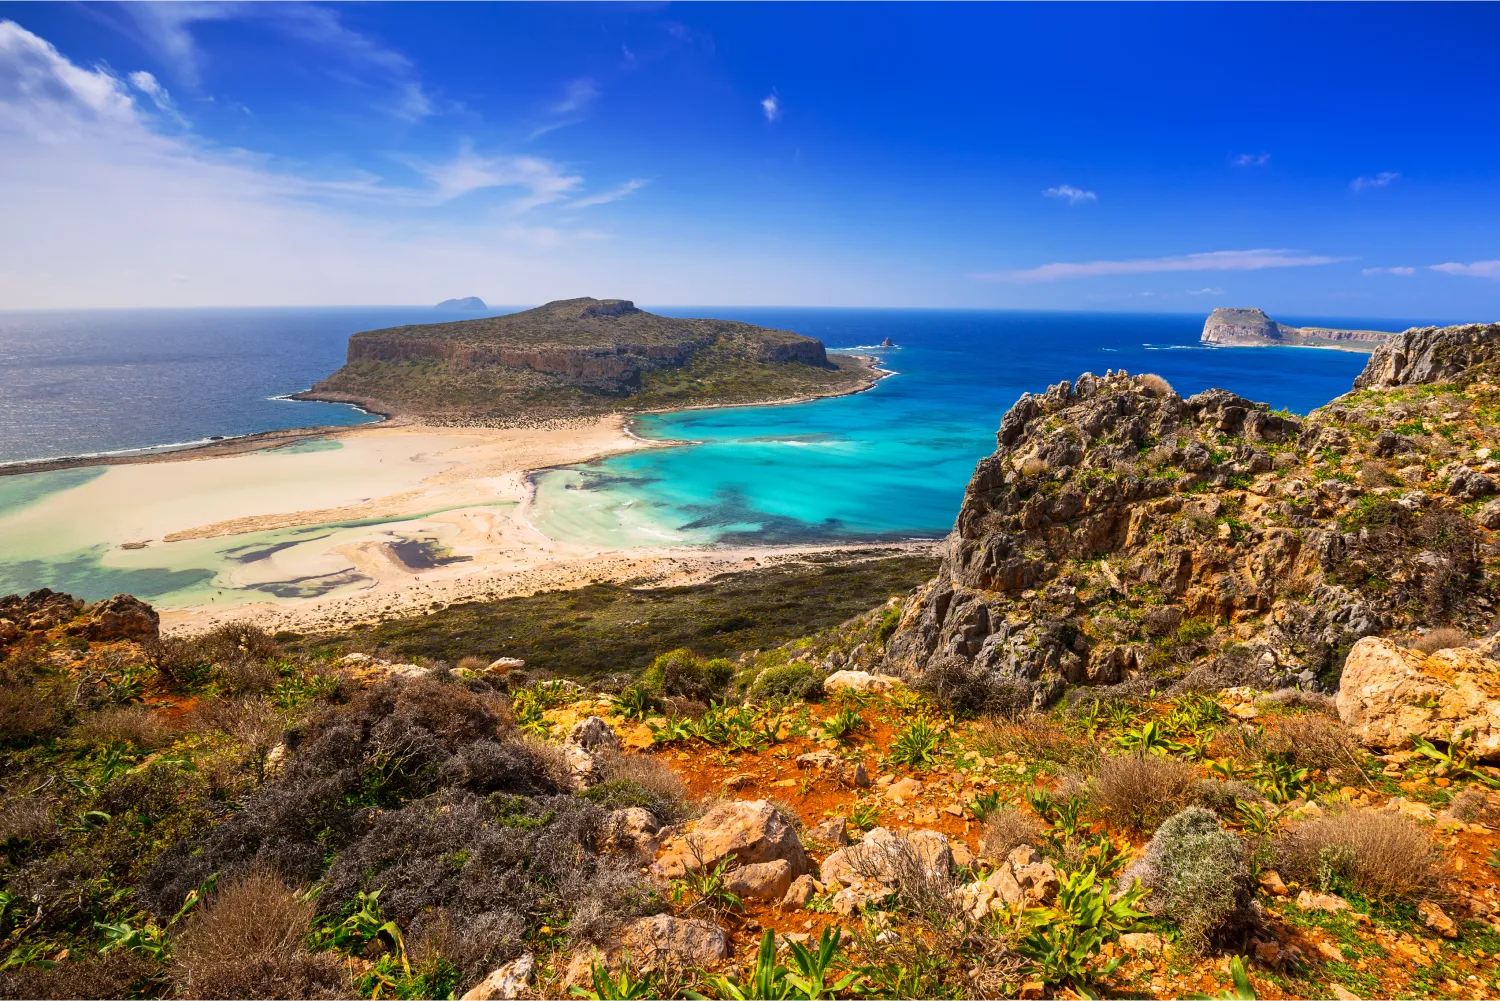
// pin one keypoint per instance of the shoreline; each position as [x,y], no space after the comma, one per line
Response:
[467,490]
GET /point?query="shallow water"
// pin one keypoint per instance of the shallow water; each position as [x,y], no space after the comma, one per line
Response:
[892,463]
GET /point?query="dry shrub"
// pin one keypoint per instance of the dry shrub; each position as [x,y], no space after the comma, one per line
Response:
[1240,743]
[1297,698]
[27,714]
[1035,466]
[247,942]
[1033,739]
[1314,741]
[243,676]
[1141,790]
[236,640]
[1372,474]
[124,725]
[253,722]
[656,778]
[25,818]
[1198,877]
[476,664]
[1380,855]
[121,974]
[1442,638]
[1154,385]
[965,689]
[550,759]
[1007,829]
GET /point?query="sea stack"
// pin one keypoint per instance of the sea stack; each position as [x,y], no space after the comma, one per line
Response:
[887,343]
[1252,328]
[468,304]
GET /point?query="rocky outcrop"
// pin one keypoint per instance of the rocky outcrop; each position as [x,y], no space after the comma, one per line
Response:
[1231,327]
[586,750]
[505,984]
[44,610]
[1431,354]
[1390,694]
[1120,531]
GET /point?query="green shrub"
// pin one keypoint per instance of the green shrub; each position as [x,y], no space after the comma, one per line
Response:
[795,682]
[1198,877]
[681,673]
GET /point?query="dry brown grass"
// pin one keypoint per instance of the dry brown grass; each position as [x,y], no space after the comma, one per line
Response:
[247,942]
[471,663]
[1442,638]
[1007,829]
[650,774]
[1141,790]
[1314,741]
[124,725]
[26,713]
[1382,856]
[1154,385]
[1033,739]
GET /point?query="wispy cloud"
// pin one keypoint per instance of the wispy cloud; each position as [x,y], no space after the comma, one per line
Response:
[152,88]
[770,106]
[613,195]
[167,30]
[1070,194]
[577,96]
[1389,271]
[1478,269]
[1250,159]
[1205,291]
[1380,180]
[543,180]
[1218,260]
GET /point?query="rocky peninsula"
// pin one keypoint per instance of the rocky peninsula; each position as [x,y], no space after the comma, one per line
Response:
[580,357]
[1233,327]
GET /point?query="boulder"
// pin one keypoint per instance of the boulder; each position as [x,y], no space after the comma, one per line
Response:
[635,829]
[877,857]
[1025,877]
[834,831]
[1388,694]
[859,681]
[761,880]
[749,830]
[1467,484]
[802,890]
[122,618]
[585,748]
[663,939]
[1437,919]
[1489,515]
[506,983]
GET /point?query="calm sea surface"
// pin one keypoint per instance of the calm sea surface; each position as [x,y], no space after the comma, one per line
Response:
[890,463]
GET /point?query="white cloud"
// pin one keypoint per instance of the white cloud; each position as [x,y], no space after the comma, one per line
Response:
[1389,271]
[1479,269]
[770,106]
[1250,159]
[152,88]
[577,96]
[1380,180]
[544,181]
[1070,194]
[1218,260]
[166,28]
[103,206]
[1206,291]
[613,195]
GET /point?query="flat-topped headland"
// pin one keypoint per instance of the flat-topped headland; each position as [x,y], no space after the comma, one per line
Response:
[1251,328]
[581,357]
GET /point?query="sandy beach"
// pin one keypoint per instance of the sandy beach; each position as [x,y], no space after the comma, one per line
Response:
[309,533]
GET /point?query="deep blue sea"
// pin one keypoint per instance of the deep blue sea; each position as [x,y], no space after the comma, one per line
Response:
[888,463]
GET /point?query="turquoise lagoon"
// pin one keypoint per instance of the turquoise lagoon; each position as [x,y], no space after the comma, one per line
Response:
[892,463]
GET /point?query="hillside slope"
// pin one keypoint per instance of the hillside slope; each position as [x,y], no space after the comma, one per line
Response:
[577,357]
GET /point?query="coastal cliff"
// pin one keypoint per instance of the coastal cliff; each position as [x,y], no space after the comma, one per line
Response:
[1122,532]
[1230,327]
[580,356]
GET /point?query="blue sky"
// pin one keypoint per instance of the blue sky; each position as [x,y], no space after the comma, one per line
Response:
[1323,160]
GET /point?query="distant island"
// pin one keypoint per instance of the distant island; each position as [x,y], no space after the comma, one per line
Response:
[468,304]
[1253,328]
[581,357]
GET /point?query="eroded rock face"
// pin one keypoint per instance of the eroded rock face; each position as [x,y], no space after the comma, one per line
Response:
[122,618]
[749,830]
[1430,354]
[1388,694]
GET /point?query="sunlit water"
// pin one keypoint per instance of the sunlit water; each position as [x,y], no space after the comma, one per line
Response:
[892,463]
